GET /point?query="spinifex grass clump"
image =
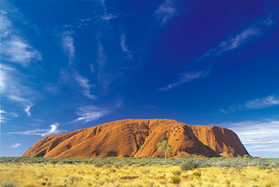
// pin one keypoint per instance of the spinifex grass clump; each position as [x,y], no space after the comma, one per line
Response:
[175,179]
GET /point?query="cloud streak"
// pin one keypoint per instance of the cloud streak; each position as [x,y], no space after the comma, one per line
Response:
[14,48]
[124,46]
[4,116]
[90,113]
[84,83]
[262,103]
[68,45]
[14,146]
[42,132]
[27,110]
[15,91]
[238,40]
[108,17]
[254,104]
[166,11]
[258,136]
[186,77]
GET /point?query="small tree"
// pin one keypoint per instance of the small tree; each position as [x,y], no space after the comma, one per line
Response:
[166,147]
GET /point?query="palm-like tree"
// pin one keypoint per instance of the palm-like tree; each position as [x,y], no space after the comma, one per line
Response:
[166,147]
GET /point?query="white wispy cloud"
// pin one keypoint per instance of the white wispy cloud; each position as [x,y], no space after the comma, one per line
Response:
[17,50]
[42,132]
[73,77]
[186,77]
[93,112]
[6,76]
[12,88]
[3,80]
[108,17]
[257,136]
[27,110]
[254,104]
[239,39]
[4,116]
[15,95]
[84,83]
[262,103]
[166,11]
[5,25]
[90,113]
[14,48]
[14,146]
[124,46]
[68,45]
[2,119]
[20,100]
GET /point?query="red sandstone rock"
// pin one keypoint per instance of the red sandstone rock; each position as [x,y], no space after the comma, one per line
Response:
[136,138]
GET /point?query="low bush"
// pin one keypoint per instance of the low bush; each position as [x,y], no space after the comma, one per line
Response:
[113,170]
[99,164]
[189,165]
[197,173]
[175,179]
[177,172]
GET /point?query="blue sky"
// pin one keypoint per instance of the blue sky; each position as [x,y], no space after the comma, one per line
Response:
[67,65]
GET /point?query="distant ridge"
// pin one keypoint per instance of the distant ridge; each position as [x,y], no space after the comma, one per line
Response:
[139,137]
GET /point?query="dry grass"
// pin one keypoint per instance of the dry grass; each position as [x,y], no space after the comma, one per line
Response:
[48,174]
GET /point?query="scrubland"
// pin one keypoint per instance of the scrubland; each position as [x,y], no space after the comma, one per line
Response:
[139,172]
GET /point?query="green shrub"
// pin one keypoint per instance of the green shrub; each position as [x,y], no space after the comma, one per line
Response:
[99,164]
[175,179]
[177,172]
[113,170]
[197,173]
[189,165]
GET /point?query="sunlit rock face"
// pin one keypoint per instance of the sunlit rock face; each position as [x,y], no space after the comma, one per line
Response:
[138,138]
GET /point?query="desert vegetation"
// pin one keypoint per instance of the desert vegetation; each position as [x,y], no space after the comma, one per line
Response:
[165,147]
[246,171]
